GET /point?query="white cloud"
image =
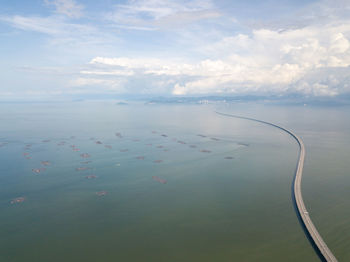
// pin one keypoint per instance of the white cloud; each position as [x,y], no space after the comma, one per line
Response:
[108,73]
[127,62]
[264,62]
[68,8]
[63,33]
[97,85]
[37,24]
[153,14]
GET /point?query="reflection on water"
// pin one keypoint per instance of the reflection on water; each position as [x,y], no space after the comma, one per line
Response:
[160,183]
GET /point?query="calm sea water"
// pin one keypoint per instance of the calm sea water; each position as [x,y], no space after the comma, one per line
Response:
[230,204]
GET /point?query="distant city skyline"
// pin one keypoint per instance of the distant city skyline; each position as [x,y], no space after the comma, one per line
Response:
[57,48]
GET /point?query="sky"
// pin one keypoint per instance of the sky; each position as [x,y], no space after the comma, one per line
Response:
[57,48]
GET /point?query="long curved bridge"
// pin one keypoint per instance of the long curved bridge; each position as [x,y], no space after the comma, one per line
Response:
[324,253]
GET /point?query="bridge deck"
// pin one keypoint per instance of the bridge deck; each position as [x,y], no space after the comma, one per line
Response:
[322,249]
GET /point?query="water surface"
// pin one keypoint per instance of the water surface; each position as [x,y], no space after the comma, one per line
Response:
[232,203]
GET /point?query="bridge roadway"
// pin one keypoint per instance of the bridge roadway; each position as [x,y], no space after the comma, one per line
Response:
[324,253]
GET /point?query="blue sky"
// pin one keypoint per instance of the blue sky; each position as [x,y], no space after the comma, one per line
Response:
[54,48]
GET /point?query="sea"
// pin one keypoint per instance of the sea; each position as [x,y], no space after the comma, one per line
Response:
[106,181]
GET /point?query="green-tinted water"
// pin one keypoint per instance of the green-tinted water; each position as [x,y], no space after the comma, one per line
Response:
[210,209]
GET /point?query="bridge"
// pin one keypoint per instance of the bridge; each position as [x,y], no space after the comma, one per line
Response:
[322,250]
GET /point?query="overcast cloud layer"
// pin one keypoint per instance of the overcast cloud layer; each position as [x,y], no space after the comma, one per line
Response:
[175,48]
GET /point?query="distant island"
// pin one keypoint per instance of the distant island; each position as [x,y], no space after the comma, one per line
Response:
[121,104]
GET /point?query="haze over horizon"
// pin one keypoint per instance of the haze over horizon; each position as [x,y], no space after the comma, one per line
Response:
[55,48]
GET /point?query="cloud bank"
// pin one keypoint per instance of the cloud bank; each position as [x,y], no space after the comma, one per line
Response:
[265,62]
